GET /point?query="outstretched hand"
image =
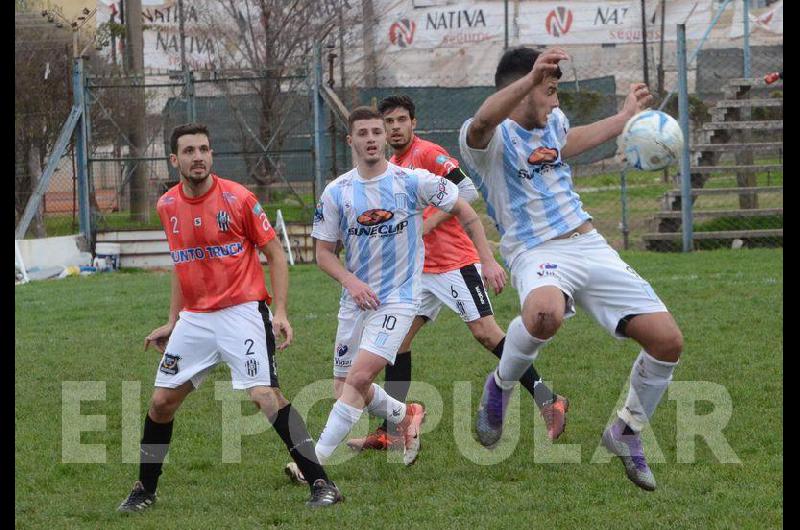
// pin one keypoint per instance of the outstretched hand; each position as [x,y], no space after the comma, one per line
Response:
[547,64]
[639,98]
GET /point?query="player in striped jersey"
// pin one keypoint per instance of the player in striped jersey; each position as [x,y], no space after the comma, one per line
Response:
[450,277]
[219,312]
[376,211]
[514,148]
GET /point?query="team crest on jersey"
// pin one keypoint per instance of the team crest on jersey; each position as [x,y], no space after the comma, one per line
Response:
[341,349]
[169,364]
[374,217]
[223,221]
[318,215]
[543,156]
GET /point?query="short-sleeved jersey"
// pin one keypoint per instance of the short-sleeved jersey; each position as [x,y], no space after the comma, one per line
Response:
[214,241]
[525,183]
[379,221]
[447,247]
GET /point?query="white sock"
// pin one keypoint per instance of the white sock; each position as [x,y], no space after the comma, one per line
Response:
[385,406]
[341,421]
[519,352]
[649,379]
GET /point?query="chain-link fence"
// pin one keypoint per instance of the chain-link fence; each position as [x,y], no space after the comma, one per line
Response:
[263,125]
[259,132]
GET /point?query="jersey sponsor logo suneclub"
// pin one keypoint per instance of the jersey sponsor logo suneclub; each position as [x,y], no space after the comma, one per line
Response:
[380,230]
[185,255]
[374,217]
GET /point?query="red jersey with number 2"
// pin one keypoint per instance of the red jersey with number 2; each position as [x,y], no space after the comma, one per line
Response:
[447,247]
[214,241]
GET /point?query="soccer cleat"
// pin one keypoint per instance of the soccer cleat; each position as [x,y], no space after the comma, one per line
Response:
[410,427]
[555,416]
[295,475]
[324,494]
[628,447]
[379,440]
[138,500]
[491,412]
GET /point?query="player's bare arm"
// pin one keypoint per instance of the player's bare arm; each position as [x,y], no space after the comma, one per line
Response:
[499,105]
[327,260]
[466,191]
[279,279]
[493,273]
[585,137]
[158,337]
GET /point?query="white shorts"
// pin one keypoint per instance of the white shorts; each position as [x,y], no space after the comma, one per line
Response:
[380,332]
[239,335]
[591,274]
[461,290]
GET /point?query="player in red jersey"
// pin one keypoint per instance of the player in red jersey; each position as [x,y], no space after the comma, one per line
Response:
[451,276]
[219,312]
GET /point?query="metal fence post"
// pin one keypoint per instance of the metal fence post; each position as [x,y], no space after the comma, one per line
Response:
[746,38]
[683,110]
[319,123]
[81,150]
[624,193]
[191,111]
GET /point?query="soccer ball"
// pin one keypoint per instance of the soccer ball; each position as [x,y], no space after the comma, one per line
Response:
[652,140]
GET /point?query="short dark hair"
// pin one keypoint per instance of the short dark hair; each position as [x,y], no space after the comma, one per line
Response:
[515,64]
[362,113]
[183,130]
[394,101]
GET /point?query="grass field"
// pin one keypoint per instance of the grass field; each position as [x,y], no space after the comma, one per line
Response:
[728,304]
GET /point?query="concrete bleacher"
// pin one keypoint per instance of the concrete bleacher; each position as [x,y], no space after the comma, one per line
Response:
[731,132]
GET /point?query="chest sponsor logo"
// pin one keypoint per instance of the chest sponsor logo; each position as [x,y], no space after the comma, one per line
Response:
[375,216]
[198,221]
[543,155]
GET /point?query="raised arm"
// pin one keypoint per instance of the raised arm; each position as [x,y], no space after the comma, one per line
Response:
[585,137]
[499,105]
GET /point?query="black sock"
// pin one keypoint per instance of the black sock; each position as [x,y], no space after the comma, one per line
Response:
[152,451]
[292,430]
[531,380]
[398,379]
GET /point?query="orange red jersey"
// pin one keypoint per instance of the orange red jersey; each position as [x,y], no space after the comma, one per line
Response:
[214,241]
[447,247]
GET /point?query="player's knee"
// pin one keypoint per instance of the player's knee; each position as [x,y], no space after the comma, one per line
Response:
[163,407]
[360,381]
[543,322]
[483,333]
[268,399]
[670,347]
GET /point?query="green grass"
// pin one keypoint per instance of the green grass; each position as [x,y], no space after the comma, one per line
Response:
[728,304]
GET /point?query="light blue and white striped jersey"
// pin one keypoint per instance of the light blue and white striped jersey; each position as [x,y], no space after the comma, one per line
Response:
[525,183]
[379,220]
